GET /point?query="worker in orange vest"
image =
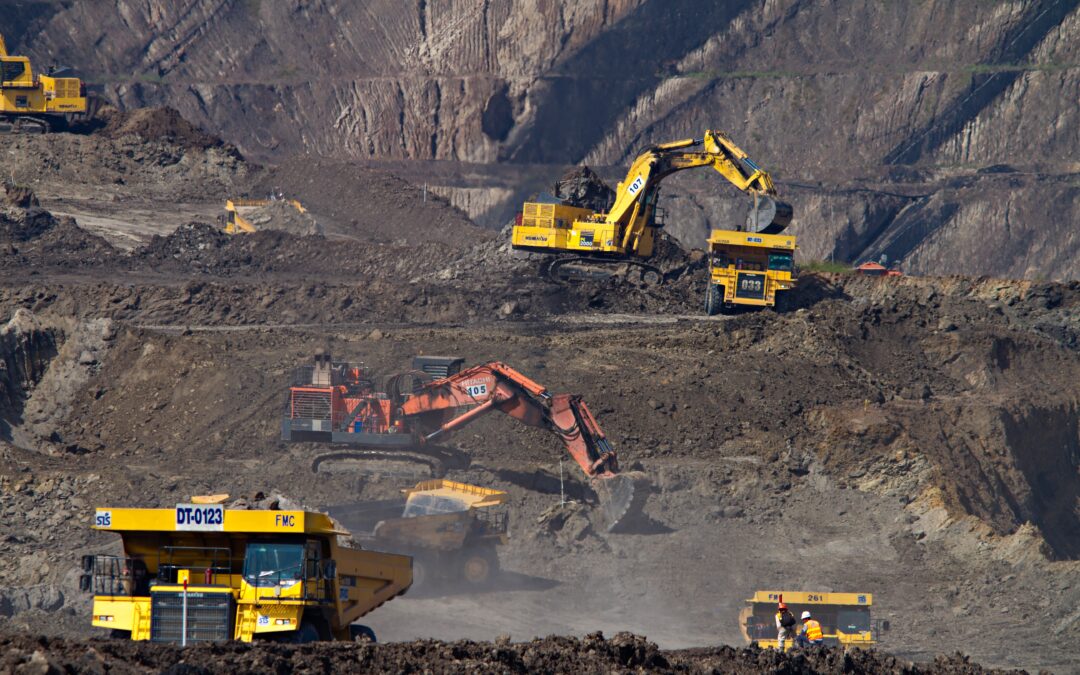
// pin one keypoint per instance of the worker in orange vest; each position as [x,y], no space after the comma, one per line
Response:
[811,631]
[785,625]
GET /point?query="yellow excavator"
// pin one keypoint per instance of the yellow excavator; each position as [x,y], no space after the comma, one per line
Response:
[588,242]
[37,104]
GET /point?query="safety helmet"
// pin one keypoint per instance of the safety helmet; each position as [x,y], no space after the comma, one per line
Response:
[805,615]
[781,607]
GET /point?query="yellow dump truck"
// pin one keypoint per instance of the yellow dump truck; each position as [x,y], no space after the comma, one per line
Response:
[33,103]
[450,529]
[200,572]
[748,269]
[845,618]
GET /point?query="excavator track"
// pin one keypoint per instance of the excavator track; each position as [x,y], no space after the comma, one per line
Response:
[438,459]
[23,124]
[570,270]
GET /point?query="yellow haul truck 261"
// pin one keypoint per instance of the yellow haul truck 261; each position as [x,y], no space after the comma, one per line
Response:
[845,617]
[748,269]
[31,103]
[201,572]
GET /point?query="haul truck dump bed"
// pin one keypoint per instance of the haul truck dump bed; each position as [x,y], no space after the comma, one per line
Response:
[201,572]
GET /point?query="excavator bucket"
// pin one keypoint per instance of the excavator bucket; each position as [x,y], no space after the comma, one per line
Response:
[619,496]
[769,216]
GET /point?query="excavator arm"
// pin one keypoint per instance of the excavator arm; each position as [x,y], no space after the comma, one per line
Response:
[638,190]
[497,386]
[437,406]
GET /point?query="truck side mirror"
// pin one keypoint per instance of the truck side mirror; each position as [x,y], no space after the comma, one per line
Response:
[88,563]
[84,583]
[885,625]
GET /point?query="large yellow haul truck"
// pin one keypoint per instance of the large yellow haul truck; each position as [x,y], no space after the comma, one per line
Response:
[845,618]
[748,269]
[201,572]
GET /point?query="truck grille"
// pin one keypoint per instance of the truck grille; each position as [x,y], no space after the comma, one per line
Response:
[209,617]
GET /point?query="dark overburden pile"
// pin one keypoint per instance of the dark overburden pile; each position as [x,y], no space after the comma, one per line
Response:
[623,653]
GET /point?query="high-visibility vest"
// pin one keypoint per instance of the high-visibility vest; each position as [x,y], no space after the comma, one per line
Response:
[813,630]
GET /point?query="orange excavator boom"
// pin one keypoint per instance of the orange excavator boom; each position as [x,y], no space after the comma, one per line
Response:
[497,386]
[335,403]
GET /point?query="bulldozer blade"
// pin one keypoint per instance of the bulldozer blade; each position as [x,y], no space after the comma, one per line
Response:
[619,495]
[769,216]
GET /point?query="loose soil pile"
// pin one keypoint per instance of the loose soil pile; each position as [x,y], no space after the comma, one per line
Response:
[157,124]
[623,653]
[583,187]
[369,205]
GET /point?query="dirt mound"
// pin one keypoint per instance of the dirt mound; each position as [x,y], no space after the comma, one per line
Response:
[369,205]
[32,239]
[158,124]
[200,248]
[623,653]
[583,187]
[19,196]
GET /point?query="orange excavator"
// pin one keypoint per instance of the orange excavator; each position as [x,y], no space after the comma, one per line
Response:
[337,402]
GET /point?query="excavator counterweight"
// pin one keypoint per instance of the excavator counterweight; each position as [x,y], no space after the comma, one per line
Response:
[336,403]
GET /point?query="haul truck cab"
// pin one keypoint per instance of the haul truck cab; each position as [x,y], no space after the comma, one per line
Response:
[845,617]
[201,572]
[748,269]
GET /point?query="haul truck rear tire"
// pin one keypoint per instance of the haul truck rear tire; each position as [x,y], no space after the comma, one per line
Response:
[479,565]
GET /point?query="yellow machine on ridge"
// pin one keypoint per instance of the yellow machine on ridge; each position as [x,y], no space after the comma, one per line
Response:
[31,103]
[626,233]
[845,618]
[201,572]
[235,209]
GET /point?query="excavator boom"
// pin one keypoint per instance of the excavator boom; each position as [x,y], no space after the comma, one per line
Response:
[497,386]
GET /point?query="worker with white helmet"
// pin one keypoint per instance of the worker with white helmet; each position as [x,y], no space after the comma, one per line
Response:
[811,631]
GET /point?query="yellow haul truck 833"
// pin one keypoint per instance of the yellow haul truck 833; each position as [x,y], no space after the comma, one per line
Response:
[201,572]
[845,618]
[748,269]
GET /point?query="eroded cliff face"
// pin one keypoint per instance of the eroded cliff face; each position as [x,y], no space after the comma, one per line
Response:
[838,99]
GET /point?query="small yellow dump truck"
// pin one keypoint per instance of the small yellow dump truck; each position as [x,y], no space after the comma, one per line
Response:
[450,529]
[748,269]
[845,618]
[200,572]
